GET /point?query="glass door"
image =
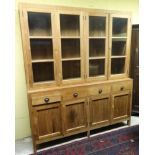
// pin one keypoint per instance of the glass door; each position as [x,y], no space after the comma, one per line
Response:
[71,45]
[97,36]
[41,47]
[119,46]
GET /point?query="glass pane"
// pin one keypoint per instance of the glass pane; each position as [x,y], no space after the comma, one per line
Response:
[118,47]
[70,25]
[39,24]
[96,67]
[70,48]
[96,47]
[71,69]
[41,49]
[120,27]
[97,26]
[117,65]
[43,71]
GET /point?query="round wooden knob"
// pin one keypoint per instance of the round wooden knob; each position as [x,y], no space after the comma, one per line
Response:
[75,94]
[100,91]
[46,100]
[122,88]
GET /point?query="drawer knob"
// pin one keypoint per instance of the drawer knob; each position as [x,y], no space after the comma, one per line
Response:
[75,94]
[100,91]
[46,100]
[122,88]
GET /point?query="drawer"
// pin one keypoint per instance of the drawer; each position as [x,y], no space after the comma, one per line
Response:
[121,86]
[46,99]
[73,93]
[99,89]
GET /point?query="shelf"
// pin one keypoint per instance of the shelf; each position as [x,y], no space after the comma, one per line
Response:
[118,38]
[39,24]
[42,60]
[96,47]
[71,69]
[70,48]
[96,67]
[41,49]
[70,59]
[70,25]
[43,71]
[97,37]
[119,27]
[96,58]
[40,37]
[118,57]
[117,65]
[70,37]
[97,25]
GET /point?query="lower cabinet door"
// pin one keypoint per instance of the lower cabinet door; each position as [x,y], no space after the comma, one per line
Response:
[47,121]
[99,111]
[75,116]
[121,103]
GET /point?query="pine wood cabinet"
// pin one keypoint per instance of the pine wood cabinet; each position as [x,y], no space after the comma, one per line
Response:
[76,67]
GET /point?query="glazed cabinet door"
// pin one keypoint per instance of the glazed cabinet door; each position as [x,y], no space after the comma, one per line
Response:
[47,121]
[70,40]
[121,106]
[39,45]
[96,45]
[119,45]
[100,111]
[75,116]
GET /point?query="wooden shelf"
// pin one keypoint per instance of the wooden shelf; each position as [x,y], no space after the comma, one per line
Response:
[42,60]
[40,37]
[70,59]
[95,58]
[119,38]
[70,37]
[97,37]
[118,56]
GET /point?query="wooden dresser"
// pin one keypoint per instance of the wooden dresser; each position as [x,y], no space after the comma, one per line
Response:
[76,66]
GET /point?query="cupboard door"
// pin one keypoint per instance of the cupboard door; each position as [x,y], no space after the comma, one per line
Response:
[71,46]
[121,106]
[48,120]
[99,111]
[96,36]
[119,42]
[75,116]
[39,46]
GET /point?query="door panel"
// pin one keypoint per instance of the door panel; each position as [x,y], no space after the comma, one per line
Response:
[75,115]
[48,120]
[121,106]
[99,111]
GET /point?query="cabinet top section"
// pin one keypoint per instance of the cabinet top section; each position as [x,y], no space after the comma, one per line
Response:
[42,7]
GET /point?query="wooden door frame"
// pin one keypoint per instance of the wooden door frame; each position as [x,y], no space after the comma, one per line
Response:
[128,40]
[86,40]
[80,79]
[23,12]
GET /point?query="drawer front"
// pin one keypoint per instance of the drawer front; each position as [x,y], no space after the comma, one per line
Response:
[46,99]
[99,89]
[121,86]
[73,93]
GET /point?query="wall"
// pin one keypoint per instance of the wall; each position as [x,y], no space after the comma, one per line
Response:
[22,117]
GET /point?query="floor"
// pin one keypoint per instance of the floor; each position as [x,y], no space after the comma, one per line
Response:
[24,146]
